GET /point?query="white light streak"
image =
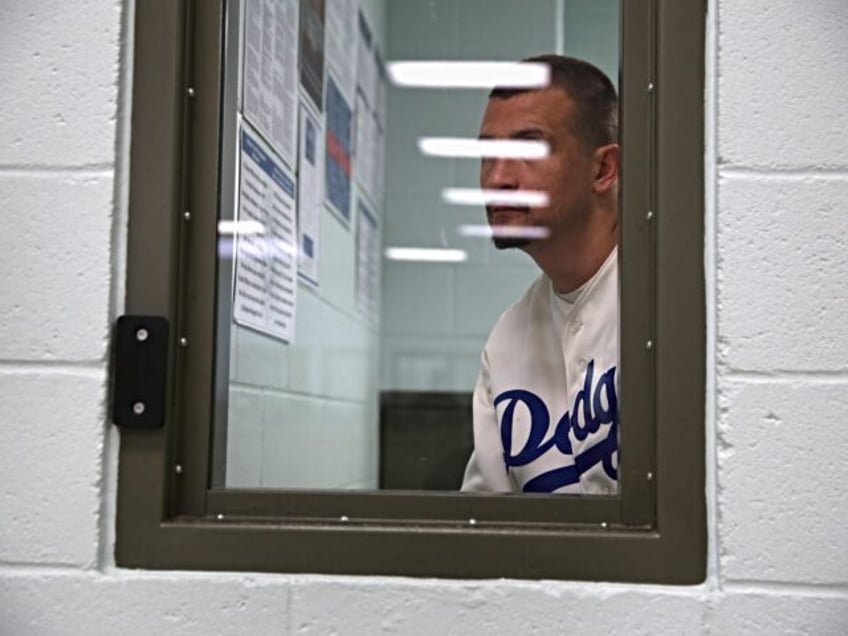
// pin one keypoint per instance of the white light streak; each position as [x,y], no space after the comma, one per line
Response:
[506,198]
[430,255]
[240,227]
[479,148]
[504,231]
[450,74]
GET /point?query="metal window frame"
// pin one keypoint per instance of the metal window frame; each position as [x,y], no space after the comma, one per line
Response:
[168,516]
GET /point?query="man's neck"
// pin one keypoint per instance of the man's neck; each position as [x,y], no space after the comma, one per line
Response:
[574,260]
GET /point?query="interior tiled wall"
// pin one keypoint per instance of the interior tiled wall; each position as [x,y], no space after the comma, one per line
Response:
[305,414]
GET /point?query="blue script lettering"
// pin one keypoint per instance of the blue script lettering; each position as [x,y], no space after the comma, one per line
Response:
[539,420]
[593,407]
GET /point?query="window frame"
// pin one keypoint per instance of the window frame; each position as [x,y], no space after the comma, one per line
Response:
[653,531]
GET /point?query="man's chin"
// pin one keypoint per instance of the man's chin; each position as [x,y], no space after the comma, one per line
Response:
[509,242]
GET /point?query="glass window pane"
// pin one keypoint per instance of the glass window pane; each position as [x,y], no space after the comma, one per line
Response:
[359,277]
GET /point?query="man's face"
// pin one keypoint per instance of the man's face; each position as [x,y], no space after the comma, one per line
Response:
[565,175]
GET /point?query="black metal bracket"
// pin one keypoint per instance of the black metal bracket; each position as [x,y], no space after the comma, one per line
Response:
[140,371]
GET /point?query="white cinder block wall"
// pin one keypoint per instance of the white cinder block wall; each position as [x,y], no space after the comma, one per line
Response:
[777,181]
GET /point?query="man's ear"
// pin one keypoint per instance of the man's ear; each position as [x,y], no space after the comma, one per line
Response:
[606,162]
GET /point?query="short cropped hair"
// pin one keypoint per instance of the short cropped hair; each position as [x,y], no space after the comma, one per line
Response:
[594,96]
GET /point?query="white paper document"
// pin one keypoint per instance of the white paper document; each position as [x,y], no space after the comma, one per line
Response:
[310,195]
[370,155]
[370,117]
[366,68]
[380,165]
[271,72]
[367,263]
[339,149]
[340,43]
[365,156]
[381,89]
[265,248]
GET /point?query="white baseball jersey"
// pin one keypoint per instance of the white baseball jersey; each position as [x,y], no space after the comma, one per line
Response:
[546,399]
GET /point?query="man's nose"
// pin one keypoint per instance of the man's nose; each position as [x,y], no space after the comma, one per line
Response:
[499,173]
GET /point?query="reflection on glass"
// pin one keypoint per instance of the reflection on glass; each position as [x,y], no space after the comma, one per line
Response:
[468,74]
[478,148]
[365,261]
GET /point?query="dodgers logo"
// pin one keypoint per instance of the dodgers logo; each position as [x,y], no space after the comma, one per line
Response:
[595,405]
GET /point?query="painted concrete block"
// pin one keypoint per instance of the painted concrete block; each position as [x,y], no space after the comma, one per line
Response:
[483,293]
[422,112]
[138,604]
[421,30]
[782,266]
[353,430]
[500,30]
[421,371]
[465,368]
[752,614]
[782,496]
[369,606]
[54,267]
[261,360]
[418,298]
[592,33]
[292,449]
[427,221]
[414,114]
[232,372]
[336,273]
[50,476]
[244,438]
[430,363]
[310,443]
[781,84]
[332,352]
[60,82]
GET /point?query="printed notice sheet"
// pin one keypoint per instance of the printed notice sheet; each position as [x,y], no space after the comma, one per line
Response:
[367,263]
[270,72]
[378,175]
[381,89]
[370,113]
[365,146]
[310,195]
[312,50]
[340,41]
[380,165]
[265,269]
[339,143]
[370,137]
[366,69]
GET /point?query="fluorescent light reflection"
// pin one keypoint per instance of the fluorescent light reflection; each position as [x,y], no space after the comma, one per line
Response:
[430,255]
[479,148]
[476,196]
[504,231]
[449,74]
[240,227]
